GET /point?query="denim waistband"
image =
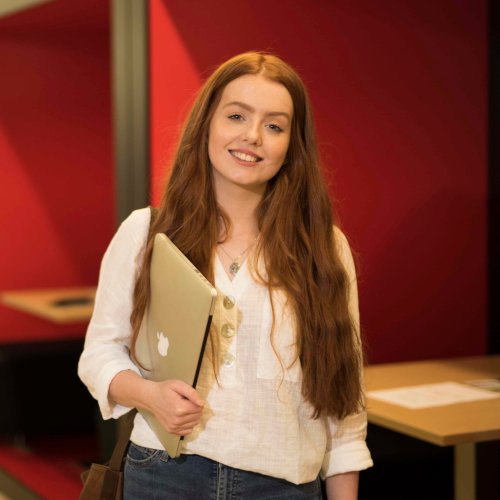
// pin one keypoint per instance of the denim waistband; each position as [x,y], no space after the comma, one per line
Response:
[152,474]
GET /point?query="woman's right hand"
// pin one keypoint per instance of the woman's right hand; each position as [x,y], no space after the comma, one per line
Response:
[176,405]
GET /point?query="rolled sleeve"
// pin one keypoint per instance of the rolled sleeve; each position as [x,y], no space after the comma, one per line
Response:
[106,349]
[103,379]
[348,450]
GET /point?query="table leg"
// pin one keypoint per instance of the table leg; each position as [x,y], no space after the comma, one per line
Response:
[465,471]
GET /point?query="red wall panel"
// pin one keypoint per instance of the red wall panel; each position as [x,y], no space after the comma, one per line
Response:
[56,174]
[399,92]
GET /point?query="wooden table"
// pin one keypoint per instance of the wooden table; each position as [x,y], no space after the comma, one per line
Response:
[460,425]
[60,305]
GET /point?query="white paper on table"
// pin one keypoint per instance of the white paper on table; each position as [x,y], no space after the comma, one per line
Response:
[429,395]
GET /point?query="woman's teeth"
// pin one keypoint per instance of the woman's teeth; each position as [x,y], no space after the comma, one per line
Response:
[244,156]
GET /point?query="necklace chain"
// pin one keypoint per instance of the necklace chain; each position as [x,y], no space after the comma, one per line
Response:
[235,265]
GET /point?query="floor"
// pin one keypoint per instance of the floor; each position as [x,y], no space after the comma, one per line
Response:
[45,468]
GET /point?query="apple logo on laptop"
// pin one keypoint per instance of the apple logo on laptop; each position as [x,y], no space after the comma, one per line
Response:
[163,343]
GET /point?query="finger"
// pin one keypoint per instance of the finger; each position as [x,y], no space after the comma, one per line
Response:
[191,420]
[181,428]
[183,432]
[187,408]
[186,430]
[182,411]
[188,392]
[179,431]
[182,420]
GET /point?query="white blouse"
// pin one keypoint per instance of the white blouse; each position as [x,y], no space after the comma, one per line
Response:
[255,417]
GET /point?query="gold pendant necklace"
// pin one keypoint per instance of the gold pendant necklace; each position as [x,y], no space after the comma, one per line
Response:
[235,265]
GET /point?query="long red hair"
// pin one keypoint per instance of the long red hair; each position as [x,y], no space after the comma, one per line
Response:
[297,241]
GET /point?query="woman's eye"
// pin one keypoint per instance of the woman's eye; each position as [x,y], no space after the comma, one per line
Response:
[235,116]
[275,128]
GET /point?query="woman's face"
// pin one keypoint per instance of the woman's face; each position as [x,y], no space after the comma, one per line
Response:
[249,133]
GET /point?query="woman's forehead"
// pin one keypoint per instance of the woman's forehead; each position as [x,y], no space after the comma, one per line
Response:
[259,93]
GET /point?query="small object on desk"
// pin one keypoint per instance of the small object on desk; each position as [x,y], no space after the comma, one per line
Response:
[73,301]
[488,384]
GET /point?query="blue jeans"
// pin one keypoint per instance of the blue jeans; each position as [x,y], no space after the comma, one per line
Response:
[152,474]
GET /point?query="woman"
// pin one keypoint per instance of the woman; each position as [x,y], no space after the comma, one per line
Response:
[279,401]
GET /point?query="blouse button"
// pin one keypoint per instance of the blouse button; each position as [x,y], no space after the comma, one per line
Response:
[228,302]
[227,330]
[228,360]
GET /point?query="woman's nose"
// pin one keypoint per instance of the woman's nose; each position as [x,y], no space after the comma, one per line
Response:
[252,134]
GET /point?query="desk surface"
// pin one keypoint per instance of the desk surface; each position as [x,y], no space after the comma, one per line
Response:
[43,303]
[442,425]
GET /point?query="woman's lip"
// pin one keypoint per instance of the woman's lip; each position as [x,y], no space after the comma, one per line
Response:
[244,163]
[245,152]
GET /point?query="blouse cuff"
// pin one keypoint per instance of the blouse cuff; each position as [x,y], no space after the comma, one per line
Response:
[109,409]
[348,458]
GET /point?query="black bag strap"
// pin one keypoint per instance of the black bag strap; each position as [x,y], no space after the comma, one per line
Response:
[116,461]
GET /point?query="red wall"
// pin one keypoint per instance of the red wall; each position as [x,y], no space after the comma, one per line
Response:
[56,178]
[399,91]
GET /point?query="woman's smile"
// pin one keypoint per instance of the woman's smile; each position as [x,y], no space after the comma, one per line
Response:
[245,157]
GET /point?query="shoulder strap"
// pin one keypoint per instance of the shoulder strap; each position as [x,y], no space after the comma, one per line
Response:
[121,445]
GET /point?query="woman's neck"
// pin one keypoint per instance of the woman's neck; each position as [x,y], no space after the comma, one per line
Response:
[240,205]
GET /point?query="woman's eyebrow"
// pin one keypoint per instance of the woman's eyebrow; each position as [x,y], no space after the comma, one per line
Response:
[251,109]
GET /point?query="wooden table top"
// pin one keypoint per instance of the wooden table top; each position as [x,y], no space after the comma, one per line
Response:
[60,305]
[442,425]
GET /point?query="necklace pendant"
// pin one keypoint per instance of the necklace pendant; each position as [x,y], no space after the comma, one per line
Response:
[234,268]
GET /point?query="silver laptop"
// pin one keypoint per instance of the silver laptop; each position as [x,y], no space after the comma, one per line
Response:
[175,328]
